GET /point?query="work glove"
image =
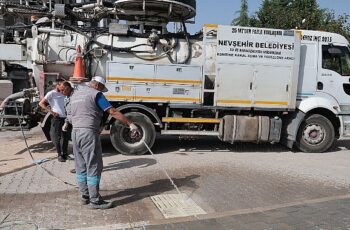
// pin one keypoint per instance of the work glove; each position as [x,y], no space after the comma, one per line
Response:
[65,127]
[134,130]
[54,114]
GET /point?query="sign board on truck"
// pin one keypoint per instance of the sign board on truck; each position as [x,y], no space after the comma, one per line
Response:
[257,67]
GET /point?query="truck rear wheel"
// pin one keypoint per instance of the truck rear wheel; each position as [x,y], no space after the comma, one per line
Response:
[124,143]
[316,134]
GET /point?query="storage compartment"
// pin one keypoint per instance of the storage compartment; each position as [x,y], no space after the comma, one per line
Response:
[13,52]
[130,73]
[6,87]
[154,83]
[179,75]
[168,94]
[234,86]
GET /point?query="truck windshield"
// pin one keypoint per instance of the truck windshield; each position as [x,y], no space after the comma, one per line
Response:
[336,58]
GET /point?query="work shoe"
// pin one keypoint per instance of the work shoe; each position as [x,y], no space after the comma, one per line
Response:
[61,159]
[84,200]
[68,157]
[100,205]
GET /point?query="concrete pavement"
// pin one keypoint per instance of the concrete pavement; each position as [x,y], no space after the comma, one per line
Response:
[13,152]
[244,186]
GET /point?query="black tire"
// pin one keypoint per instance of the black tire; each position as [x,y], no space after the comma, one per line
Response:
[316,134]
[126,145]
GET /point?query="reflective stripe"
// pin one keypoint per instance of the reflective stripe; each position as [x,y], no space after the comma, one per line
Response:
[93,180]
[271,103]
[82,178]
[254,102]
[211,25]
[234,101]
[194,82]
[190,120]
[123,97]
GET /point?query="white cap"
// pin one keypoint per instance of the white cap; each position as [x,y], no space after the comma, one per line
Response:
[100,80]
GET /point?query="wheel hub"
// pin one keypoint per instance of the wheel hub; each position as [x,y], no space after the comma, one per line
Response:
[314,134]
[132,139]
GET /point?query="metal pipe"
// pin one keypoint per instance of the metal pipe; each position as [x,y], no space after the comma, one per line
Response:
[12,97]
[15,96]
[48,30]
[89,6]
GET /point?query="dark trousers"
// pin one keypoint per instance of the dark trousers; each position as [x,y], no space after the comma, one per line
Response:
[59,139]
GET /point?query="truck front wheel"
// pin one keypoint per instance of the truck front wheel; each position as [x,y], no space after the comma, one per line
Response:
[316,134]
[127,145]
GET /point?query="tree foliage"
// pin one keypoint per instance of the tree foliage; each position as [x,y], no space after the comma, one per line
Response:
[287,14]
[243,19]
[335,24]
[297,14]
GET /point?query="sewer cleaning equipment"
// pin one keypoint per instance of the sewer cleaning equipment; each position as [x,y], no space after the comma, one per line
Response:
[239,84]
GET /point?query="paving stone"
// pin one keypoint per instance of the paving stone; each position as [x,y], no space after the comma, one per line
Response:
[218,177]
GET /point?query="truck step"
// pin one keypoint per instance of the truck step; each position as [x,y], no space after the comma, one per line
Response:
[190,120]
[13,117]
[189,133]
[14,128]
[344,113]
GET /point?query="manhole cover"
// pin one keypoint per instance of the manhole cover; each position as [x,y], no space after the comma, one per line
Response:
[176,205]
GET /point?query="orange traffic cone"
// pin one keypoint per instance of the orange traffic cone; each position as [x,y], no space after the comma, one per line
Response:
[79,70]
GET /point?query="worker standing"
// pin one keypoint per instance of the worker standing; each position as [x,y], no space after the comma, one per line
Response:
[67,127]
[86,108]
[53,103]
[67,92]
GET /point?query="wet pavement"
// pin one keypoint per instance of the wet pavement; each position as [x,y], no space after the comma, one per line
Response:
[245,186]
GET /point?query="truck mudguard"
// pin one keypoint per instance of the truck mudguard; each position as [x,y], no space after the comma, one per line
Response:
[291,127]
[320,100]
[141,107]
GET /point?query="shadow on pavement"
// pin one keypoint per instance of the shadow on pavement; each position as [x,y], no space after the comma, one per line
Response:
[202,145]
[14,159]
[154,188]
[40,147]
[210,144]
[124,164]
[341,145]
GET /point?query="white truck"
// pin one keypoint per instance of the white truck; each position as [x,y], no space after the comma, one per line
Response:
[240,84]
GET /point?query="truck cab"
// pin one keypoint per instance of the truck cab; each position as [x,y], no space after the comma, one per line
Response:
[324,85]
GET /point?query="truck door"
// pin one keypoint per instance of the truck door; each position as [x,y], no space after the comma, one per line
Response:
[334,74]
